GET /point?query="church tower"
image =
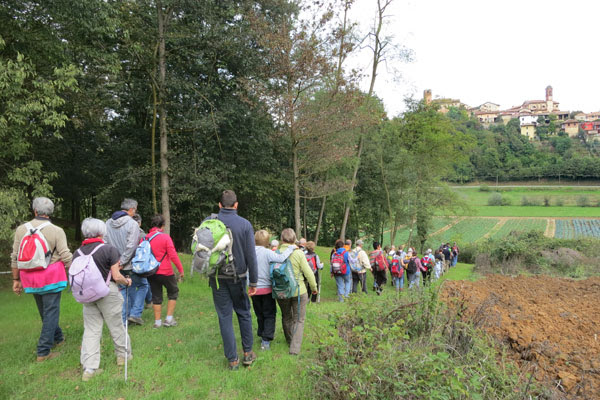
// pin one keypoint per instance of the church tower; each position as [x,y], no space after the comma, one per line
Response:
[427,96]
[549,101]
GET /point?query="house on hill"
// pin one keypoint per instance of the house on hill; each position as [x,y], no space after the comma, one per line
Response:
[571,127]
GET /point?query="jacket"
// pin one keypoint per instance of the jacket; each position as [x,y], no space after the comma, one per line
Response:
[244,254]
[163,249]
[302,271]
[264,258]
[363,260]
[123,232]
[55,236]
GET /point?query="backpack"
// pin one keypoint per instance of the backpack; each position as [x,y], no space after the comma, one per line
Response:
[396,268]
[87,283]
[212,244]
[377,260]
[411,268]
[34,251]
[312,261]
[283,281]
[353,261]
[338,266]
[144,263]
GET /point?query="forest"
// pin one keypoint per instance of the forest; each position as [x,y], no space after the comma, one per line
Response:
[170,102]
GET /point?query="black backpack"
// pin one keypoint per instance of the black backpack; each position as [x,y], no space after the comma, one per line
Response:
[412,266]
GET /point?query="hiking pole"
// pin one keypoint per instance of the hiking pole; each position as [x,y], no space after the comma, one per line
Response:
[126,326]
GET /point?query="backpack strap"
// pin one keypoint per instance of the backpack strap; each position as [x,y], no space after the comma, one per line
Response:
[95,249]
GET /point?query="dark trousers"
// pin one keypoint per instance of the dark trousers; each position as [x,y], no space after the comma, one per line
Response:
[231,296]
[362,278]
[265,308]
[49,308]
[313,297]
[380,279]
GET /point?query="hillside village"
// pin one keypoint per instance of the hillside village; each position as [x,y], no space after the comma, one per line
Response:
[531,114]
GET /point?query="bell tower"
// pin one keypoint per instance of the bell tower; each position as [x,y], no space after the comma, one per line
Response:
[549,101]
[427,96]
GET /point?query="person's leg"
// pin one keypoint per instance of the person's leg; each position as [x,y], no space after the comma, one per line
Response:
[224,308]
[313,297]
[355,279]
[157,299]
[110,307]
[339,282]
[92,335]
[139,288]
[269,317]
[51,332]
[241,306]
[257,305]
[401,281]
[347,285]
[298,323]
[363,282]
[286,318]
[170,283]
[148,298]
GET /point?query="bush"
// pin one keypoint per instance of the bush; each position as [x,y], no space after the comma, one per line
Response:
[484,188]
[495,199]
[529,201]
[546,201]
[412,347]
[560,202]
[582,201]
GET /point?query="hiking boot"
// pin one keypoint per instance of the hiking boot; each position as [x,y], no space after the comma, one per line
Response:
[265,345]
[170,323]
[89,375]
[59,344]
[136,320]
[234,365]
[121,360]
[48,356]
[249,358]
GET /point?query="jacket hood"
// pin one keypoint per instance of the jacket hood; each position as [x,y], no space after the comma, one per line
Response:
[118,214]
[117,220]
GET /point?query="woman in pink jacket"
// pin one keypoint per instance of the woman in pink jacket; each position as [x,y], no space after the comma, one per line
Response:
[164,251]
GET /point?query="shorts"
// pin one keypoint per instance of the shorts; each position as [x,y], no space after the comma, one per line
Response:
[157,282]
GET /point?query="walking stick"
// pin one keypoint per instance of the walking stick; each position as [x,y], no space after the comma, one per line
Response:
[126,326]
[319,287]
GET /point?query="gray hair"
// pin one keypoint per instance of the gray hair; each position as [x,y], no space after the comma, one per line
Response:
[92,227]
[288,236]
[274,243]
[128,204]
[359,242]
[43,206]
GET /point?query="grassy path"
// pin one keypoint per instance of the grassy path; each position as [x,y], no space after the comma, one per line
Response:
[550,228]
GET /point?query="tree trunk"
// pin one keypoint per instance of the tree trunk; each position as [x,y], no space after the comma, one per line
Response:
[297,222]
[94,207]
[361,144]
[394,230]
[77,220]
[304,220]
[153,148]
[162,111]
[320,220]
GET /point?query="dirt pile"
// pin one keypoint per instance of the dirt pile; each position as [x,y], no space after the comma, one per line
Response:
[551,325]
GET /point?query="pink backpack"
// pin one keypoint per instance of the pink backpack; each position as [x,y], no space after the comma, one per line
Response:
[34,252]
[87,283]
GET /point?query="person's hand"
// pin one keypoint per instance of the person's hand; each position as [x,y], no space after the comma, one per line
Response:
[180,279]
[251,291]
[315,292]
[128,281]
[17,287]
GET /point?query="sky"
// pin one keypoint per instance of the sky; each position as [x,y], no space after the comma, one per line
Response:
[504,52]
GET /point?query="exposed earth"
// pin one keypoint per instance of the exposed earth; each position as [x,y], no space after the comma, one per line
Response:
[551,326]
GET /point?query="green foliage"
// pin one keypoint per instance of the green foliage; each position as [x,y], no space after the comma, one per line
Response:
[496,199]
[583,201]
[484,188]
[388,347]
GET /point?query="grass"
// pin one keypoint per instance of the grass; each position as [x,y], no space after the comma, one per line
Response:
[465,231]
[169,363]
[520,225]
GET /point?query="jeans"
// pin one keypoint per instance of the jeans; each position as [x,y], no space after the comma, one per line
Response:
[134,305]
[454,260]
[231,296]
[49,308]
[414,279]
[265,309]
[356,278]
[344,285]
[398,282]
[148,298]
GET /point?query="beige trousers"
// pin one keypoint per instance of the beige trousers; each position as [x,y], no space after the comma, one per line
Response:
[293,323]
[108,309]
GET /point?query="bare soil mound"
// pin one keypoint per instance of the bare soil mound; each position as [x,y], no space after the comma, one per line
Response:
[551,326]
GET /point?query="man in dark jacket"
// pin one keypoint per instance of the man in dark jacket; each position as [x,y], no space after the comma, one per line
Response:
[230,293]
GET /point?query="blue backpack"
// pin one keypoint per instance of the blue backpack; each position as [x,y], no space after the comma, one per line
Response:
[144,263]
[283,281]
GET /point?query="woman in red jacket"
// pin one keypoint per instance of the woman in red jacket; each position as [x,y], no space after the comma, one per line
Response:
[164,251]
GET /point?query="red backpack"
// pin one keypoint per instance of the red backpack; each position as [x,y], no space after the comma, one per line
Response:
[312,261]
[34,252]
[338,266]
[396,268]
[378,261]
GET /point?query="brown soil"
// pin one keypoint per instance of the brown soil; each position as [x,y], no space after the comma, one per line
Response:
[551,326]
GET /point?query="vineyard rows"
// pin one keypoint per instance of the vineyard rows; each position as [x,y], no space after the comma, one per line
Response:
[577,228]
[520,225]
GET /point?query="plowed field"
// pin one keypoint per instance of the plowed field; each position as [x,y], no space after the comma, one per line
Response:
[551,326]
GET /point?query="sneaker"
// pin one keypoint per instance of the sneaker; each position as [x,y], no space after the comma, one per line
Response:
[265,345]
[249,358]
[156,326]
[89,375]
[234,365]
[136,320]
[121,360]
[171,323]
[48,356]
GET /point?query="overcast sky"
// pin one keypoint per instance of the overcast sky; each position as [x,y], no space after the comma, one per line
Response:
[505,51]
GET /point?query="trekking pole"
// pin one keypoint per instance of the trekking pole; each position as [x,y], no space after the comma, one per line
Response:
[126,326]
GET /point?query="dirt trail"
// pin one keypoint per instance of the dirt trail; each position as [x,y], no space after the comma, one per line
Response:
[450,225]
[550,228]
[550,326]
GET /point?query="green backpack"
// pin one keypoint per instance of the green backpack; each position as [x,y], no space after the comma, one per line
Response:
[283,280]
[212,244]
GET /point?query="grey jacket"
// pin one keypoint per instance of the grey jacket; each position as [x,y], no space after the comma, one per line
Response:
[264,257]
[123,233]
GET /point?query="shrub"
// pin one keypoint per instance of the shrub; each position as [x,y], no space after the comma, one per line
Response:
[546,201]
[495,199]
[560,202]
[582,201]
[484,188]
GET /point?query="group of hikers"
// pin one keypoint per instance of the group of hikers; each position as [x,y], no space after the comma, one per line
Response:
[110,275]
